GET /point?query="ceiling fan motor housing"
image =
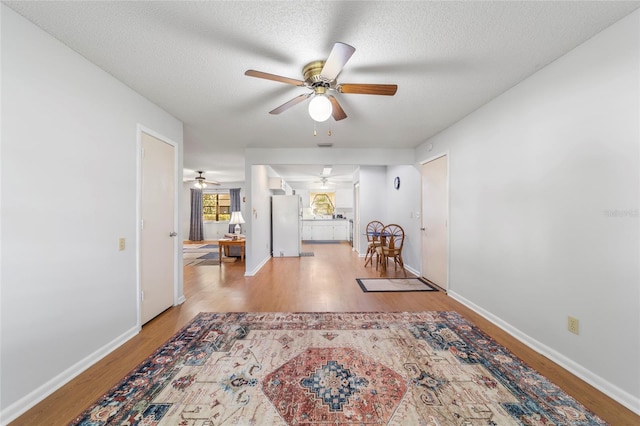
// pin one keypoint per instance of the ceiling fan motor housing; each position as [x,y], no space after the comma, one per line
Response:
[312,77]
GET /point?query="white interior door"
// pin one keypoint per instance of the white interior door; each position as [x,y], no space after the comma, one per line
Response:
[157,234]
[434,221]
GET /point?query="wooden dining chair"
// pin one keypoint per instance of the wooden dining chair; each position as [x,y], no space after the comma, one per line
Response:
[392,237]
[373,230]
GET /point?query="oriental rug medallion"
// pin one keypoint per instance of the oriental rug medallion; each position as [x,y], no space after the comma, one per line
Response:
[425,368]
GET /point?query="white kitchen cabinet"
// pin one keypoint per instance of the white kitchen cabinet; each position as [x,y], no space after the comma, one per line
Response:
[277,184]
[307,231]
[340,230]
[344,198]
[322,231]
[325,230]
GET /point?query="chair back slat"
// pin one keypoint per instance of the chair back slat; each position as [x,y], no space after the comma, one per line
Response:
[392,241]
[394,236]
[373,230]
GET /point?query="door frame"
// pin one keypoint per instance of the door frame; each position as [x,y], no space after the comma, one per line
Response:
[448,215]
[355,229]
[178,297]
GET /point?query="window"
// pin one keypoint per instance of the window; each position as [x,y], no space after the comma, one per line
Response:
[322,203]
[216,207]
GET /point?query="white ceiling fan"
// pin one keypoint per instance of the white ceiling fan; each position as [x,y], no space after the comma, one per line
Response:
[321,78]
[201,182]
[324,182]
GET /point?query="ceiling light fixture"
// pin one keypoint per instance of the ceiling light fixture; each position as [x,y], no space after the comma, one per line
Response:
[320,108]
[326,171]
[200,184]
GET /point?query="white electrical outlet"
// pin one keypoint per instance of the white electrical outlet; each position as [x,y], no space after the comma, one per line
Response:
[122,244]
[573,325]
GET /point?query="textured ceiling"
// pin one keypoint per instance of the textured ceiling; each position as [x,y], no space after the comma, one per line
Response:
[447,58]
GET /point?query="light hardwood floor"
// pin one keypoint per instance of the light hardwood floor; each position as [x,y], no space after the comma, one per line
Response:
[321,283]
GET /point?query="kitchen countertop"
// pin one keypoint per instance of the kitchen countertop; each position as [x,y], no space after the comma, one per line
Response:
[324,220]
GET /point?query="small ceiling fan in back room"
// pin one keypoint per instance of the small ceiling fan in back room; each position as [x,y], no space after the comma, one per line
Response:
[320,77]
[201,182]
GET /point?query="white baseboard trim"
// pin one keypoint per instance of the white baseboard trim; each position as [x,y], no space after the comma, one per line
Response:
[180,300]
[413,271]
[19,407]
[609,389]
[257,268]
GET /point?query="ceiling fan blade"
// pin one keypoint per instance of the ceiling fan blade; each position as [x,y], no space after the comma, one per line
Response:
[338,113]
[208,182]
[337,59]
[369,89]
[267,76]
[285,106]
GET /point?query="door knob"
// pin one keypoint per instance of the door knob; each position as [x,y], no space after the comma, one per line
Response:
[173,234]
[423,229]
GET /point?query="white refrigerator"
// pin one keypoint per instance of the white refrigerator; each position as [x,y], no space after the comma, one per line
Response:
[286,225]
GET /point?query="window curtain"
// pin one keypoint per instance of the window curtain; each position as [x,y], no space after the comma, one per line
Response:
[234,196]
[196,229]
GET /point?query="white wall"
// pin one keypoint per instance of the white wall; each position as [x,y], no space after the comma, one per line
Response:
[403,208]
[348,156]
[373,204]
[69,179]
[258,218]
[379,200]
[544,199]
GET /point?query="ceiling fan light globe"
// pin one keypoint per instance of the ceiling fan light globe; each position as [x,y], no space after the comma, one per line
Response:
[320,108]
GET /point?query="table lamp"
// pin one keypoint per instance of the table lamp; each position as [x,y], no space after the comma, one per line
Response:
[236,219]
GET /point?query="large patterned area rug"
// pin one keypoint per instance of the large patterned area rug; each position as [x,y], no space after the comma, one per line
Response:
[427,368]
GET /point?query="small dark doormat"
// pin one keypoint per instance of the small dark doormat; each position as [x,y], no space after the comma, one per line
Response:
[306,254]
[370,285]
